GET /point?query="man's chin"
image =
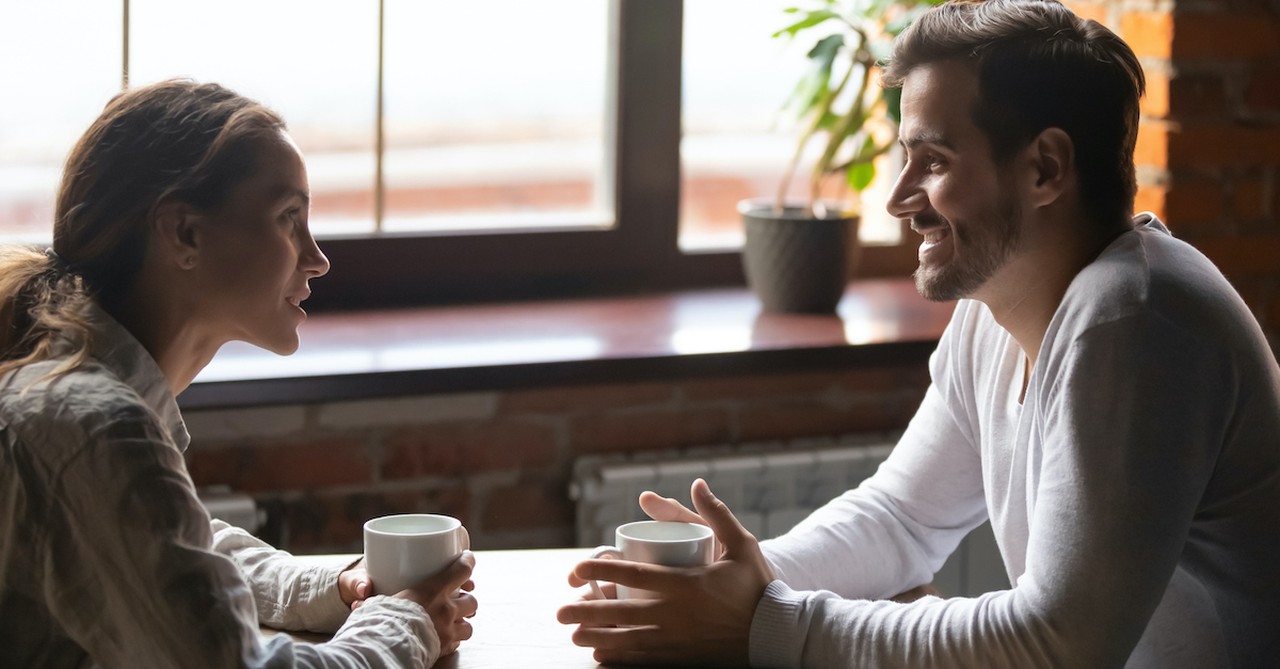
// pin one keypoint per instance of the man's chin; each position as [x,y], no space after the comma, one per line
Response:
[932,286]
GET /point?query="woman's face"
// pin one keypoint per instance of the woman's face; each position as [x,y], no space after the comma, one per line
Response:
[257,254]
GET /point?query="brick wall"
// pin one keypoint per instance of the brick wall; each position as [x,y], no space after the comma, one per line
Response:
[502,461]
[1208,154]
[1209,148]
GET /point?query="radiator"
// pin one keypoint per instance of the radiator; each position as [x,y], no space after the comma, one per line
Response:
[769,486]
[231,507]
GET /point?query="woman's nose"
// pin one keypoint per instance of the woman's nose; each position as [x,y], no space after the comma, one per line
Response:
[314,262]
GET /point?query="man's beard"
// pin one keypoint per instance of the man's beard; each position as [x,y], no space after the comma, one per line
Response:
[985,251]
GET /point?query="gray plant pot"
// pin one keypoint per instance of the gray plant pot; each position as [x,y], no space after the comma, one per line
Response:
[794,262]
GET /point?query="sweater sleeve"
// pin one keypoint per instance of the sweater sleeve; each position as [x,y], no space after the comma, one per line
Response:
[895,530]
[1125,462]
[288,595]
[132,579]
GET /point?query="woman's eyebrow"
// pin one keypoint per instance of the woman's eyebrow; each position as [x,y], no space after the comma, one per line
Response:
[285,191]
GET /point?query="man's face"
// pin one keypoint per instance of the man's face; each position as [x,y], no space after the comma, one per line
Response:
[951,188]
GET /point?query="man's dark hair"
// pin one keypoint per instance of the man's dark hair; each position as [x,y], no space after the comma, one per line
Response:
[1040,66]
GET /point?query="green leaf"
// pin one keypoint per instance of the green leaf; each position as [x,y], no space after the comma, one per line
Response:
[860,175]
[828,121]
[810,20]
[826,49]
[815,84]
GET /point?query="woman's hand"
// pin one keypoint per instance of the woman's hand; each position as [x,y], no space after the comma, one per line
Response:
[353,585]
[448,600]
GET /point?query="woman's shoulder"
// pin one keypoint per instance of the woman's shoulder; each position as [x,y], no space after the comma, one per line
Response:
[37,405]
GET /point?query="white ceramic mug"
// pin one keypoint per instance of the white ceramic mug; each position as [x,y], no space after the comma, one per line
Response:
[401,550]
[673,544]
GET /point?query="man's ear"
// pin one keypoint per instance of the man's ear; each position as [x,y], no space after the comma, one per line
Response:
[176,232]
[1053,160]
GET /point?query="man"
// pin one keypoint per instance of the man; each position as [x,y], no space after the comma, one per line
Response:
[1101,394]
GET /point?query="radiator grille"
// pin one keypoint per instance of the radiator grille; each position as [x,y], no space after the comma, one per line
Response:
[770,486]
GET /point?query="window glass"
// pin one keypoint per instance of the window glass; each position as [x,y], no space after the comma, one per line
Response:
[60,64]
[314,61]
[495,114]
[737,138]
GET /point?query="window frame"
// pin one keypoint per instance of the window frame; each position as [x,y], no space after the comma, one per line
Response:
[640,253]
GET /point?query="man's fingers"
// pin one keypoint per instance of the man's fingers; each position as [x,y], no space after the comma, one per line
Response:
[666,508]
[634,574]
[729,532]
[596,613]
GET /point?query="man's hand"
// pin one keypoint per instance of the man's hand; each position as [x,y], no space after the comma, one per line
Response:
[702,615]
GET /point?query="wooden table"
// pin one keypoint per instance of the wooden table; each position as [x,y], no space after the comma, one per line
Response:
[519,592]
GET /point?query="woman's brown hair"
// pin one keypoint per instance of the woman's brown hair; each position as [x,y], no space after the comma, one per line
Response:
[175,139]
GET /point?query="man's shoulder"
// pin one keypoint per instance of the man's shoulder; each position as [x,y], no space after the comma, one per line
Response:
[1148,273]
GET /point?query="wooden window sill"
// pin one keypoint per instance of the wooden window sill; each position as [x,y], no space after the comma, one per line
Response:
[699,333]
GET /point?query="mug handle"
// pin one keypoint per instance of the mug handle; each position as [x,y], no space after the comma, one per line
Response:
[599,552]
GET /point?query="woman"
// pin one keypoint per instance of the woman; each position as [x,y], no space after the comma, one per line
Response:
[181,224]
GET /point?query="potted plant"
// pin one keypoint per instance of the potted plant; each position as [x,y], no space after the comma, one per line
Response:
[798,253]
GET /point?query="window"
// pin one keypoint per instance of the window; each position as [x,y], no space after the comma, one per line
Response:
[737,138]
[77,46]
[456,152]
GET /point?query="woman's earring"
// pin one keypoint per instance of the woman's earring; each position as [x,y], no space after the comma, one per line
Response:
[189,262]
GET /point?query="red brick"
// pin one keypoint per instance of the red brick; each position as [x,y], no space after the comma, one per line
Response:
[1197,96]
[586,398]
[1224,35]
[1149,34]
[649,430]
[1223,145]
[453,449]
[1249,202]
[815,418]
[335,523]
[295,466]
[1152,199]
[1155,103]
[863,380]
[1152,147]
[1240,257]
[1096,11]
[756,386]
[1262,93]
[528,505]
[1192,202]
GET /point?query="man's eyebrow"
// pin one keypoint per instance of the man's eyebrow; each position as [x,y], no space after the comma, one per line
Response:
[928,137]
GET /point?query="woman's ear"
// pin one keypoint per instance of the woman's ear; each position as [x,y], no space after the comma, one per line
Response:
[1052,156]
[176,230]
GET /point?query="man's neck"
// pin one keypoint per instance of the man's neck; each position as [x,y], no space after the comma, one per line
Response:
[1025,294]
